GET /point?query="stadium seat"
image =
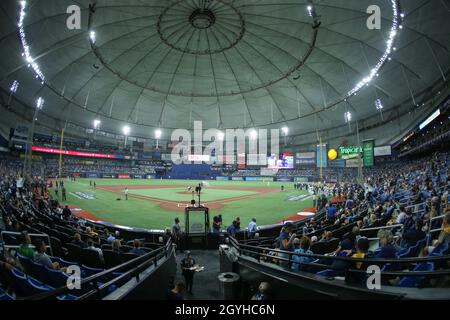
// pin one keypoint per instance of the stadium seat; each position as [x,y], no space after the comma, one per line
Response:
[126,248]
[65,263]
[25,262]
[38,271]
[128,256]
[4,296]
[56,278]
[87,271]
[57,248]
[417,281]
[74,251]
[90,258]
[112,258]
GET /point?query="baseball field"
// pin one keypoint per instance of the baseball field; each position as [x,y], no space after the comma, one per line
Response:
[155,203]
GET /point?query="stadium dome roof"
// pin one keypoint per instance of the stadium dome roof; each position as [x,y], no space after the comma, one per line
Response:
[228,63]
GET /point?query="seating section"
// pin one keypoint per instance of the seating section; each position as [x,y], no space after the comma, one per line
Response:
[70,242]
[399,220]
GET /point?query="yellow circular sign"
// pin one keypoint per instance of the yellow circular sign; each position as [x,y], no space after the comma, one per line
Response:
[332,154]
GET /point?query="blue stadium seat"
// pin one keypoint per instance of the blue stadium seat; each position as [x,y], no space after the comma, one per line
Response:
[88,271]
[36,287]
[39,271]
[25,263]
[415,282]
[440,249]
[67,297]
[4,296]
[56,278]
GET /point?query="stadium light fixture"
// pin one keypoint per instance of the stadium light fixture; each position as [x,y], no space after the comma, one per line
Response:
[285,130]
[40,103]
[221,135]
[253,134]
[97,124]
[378,104]
[396,18]
[93,36]
[158,134]
[14,86]
[348,117]
[126,130]
[26,48]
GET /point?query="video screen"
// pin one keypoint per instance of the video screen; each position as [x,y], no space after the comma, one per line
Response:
[285,162]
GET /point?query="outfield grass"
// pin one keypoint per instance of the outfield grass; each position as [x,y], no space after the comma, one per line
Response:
[266,208]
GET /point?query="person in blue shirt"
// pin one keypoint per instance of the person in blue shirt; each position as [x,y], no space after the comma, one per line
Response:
[285,242]
[137,248]
[231,230]
[301,246]
[331,212]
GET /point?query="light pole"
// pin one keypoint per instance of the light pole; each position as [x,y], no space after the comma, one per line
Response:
[29,152]
[158,134]
[126,132]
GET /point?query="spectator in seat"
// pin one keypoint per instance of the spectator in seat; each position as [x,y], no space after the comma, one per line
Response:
[66,212]
[115,245]
[388,249]
[444,236]
[137,248]
[301,246]
[25,248]
[401,218]
[411,237]
[90,246]
[41,256]
[77,240]
[175,293]
[109,236]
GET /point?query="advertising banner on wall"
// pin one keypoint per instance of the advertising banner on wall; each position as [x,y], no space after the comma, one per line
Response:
[124,176]
[340,163]
[368,154]
[222,178]
[237,178]
[322,159]
[382,151]
[305,158]
[352,163]
[349,152]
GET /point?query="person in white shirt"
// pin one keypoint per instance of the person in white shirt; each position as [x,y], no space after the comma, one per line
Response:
[126,193]
[252,228]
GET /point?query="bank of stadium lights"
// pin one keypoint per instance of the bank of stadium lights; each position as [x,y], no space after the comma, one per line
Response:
[126,130]
[40,103]
[253,134]
[158,134]
[26,48]
[97,124]
[285,130]
[396,17]
[14,86]
[221,135]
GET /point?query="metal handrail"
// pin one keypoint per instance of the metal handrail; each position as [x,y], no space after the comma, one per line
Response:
[382,228]
[241,247]
[40,235]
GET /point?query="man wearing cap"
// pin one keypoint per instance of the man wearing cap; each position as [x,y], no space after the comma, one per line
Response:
[186,268]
